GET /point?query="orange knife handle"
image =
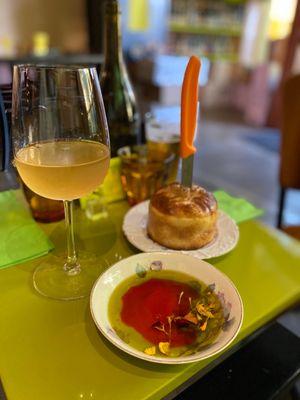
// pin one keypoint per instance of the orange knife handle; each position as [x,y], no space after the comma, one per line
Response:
[189,107]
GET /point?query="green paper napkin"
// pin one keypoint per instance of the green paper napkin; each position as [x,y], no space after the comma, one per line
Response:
[237,208]
[21,239]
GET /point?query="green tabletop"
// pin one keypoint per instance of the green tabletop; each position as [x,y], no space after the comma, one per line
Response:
[52,350]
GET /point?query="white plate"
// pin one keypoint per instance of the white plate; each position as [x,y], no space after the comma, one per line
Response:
[135,229]
[192,266]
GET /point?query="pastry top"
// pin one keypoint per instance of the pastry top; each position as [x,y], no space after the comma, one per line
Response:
[181,201]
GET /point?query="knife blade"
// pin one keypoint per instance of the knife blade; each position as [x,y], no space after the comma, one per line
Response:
[187,168]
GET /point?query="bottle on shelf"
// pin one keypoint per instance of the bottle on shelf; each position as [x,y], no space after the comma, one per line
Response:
[120,104]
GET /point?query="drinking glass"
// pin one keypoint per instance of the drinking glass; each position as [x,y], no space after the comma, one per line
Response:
[143,172]
[43,210]
[163,138]
[61,151]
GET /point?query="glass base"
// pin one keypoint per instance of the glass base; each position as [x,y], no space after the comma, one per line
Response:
[51,280]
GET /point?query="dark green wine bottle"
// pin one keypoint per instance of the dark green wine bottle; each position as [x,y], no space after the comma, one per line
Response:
[119,99]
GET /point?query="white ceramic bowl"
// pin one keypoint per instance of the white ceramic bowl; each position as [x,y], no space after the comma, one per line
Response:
[192,266]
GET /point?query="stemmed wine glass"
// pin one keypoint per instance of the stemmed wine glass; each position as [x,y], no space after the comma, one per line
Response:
[61,151]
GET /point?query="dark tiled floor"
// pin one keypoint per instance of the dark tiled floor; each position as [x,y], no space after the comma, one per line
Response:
[227,158]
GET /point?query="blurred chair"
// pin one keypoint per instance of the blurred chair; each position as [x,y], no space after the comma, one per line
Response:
[5,98]
[289,176]
[8,179]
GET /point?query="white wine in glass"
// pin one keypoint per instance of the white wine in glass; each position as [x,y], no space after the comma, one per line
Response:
[63,170]
[61,151]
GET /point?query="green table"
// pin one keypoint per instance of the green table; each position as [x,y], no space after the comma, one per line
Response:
[52,350]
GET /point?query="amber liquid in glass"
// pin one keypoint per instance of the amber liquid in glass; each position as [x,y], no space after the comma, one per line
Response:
[142,173]
[63,169]
[161,148]
[42,209]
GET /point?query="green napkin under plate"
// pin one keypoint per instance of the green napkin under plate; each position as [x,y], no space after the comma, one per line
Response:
[237,208]
[21,238]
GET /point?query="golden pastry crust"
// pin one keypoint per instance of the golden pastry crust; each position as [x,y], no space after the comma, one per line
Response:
[182,218]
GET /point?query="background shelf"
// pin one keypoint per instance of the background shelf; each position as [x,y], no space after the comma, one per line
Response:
[205,29]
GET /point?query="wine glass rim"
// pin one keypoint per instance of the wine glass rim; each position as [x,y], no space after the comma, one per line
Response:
[66,67]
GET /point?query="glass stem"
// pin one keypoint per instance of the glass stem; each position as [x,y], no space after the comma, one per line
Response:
[72,266]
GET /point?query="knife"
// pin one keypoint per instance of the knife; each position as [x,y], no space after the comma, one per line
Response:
[188,121]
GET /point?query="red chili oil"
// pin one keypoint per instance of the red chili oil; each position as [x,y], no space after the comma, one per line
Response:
[149,306]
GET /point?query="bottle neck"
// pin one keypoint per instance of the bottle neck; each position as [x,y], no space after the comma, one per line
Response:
[113,54]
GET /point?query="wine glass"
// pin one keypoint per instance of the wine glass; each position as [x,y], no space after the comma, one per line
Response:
[61,151]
